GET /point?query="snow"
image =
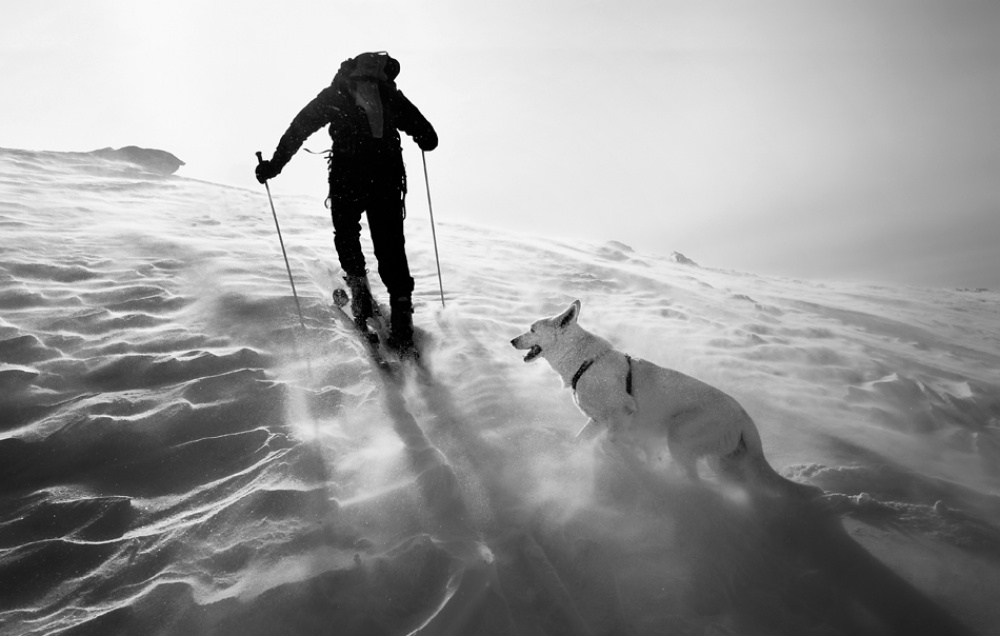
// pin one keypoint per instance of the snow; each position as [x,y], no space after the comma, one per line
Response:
[150,159]
[177,455]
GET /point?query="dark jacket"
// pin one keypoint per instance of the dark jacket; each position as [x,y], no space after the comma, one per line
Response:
[356,152]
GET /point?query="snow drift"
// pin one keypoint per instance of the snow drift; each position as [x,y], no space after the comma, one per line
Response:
[178,456]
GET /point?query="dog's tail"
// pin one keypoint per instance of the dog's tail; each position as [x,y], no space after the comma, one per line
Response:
[748,463]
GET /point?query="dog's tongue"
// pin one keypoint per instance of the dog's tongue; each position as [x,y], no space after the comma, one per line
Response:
[533,353]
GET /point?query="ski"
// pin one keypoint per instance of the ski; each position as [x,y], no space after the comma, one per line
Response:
[370,339]
[376,339]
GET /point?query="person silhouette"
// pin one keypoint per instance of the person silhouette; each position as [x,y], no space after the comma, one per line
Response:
[365,112]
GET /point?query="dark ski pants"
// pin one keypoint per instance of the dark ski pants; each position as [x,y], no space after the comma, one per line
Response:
[385,223]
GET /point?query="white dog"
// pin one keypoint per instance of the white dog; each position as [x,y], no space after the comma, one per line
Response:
[643,405]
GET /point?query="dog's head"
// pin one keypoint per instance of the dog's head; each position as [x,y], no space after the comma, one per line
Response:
[545,334]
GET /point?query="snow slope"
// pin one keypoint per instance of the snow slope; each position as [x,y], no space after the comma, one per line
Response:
[178,456]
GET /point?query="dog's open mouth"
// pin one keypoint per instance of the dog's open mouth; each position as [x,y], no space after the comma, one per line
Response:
[533,353]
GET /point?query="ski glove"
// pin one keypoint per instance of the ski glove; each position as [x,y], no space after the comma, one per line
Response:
[427,141]
[267,170]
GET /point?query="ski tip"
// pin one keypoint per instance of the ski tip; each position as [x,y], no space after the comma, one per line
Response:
[340,298]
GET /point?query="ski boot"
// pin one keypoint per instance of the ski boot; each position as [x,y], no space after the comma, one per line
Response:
[401,326]
[361,300]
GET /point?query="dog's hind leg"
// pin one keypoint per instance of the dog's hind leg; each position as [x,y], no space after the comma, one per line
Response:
[727,468]
[690,467]
[731,467]
[685,460]
[683,455]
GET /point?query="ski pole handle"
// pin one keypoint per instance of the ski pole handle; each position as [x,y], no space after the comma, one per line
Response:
[260,157]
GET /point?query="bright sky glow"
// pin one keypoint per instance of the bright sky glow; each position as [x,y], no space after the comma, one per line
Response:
[851,140]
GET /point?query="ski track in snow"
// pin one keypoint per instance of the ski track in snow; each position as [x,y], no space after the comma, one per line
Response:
[178,456]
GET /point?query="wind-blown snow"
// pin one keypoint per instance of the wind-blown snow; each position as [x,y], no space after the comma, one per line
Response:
[178,456]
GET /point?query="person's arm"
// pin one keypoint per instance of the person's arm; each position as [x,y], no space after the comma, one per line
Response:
[413,123]
[314,116]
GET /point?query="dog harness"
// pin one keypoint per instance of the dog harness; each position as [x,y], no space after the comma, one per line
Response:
[586,365]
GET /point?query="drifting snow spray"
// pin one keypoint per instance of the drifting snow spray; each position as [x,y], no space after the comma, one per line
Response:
[298,307]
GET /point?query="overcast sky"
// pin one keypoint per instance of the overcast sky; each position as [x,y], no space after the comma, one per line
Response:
[854,140]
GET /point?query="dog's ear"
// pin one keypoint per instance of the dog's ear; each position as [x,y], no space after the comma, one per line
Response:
[570,315]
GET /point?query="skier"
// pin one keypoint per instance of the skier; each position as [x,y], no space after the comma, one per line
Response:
[365,111]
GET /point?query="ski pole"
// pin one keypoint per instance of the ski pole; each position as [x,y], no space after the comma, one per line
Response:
[430,207]
[260,159]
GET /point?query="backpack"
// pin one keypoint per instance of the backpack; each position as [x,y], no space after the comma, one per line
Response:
[377,65]
[360,76]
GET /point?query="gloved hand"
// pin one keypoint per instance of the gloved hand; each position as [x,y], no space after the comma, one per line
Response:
[267,170]
[427,142]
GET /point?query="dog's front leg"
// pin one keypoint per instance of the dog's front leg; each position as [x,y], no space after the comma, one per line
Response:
[589,431]
[630,406]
